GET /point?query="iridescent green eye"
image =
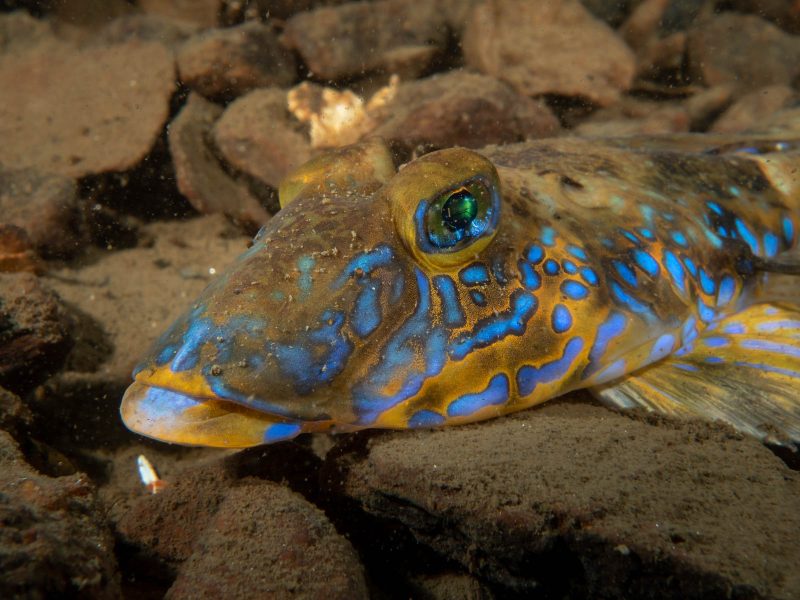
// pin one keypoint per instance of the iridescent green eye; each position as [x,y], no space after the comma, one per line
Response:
[459,215]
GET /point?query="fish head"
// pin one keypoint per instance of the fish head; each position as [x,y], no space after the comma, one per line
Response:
[361,303]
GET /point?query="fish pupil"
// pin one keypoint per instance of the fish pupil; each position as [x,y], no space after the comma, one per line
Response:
[459,210]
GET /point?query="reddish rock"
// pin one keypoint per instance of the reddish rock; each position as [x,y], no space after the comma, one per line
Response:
[45,206]
[549,48]
[226,63]
[266,541]
[203,13]
[34,337]
[624,507]
[82,111]
[258,136]
[53,541]
[17,253]
[462,109]
[388,36]
[744,50]
[200,175]
[754,108]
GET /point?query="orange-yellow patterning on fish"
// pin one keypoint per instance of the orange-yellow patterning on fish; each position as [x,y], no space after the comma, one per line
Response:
[657,273]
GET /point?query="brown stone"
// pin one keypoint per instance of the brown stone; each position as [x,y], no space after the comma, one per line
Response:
[367,36]
[265,541]
[34,337]
[753,108]
[549,48]
[258,136]
[707,104]
[745,50]
[636,117]
[203,13]
[200,176]
[83,111]
[45,206]
[226,63]
[628,508]
[146,28]
[53,540]
[462,109]
[17,253]
[784,13]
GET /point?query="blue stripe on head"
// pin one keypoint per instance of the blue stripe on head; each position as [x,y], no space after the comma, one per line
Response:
[452,312]
[365,315]
[365,263]
[574,289]
[530,278]
[528,376]
[561,318]
[425,418]
[496,392]
[645,262]
[474,274]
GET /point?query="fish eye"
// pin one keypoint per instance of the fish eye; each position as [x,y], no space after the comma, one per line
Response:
[457,217]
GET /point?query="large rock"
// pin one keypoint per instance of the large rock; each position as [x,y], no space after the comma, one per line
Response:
[754,108]
[554,47]
[83,111]
[573,500]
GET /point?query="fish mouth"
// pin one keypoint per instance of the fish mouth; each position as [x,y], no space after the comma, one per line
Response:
[179,418]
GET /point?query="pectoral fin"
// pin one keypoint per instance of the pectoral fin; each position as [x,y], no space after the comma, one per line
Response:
[743,370]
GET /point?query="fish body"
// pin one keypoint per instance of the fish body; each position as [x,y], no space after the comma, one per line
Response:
[467,285]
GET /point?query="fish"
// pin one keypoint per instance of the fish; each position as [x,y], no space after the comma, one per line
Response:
[656,273]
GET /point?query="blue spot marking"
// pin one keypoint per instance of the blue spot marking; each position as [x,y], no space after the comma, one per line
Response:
[548,236]
[776,347]
[716,341]
[574,289]
[734,190]
[478,298]
[627,274]
[715,207]
[577,252]
[727,288]
[277,295]
[646,262]
[551,267]
[495,393]
[380,256]
[679,238]
[474,274]
[612,327]
[630,236]
[608,243]
[646,233]
[535,254]
[735,328]
[569,266]
[613,371]
[487,331]
[305,264]
[398,363]
[675,270]
[425,418]
[661,348]
[690,266]
[498,270]
[714,360]
[589,275]
[771,244]
[281,431]
[747,235]
[398,285]
[366,313]
[788,230]
[530,278]
[779,325]
[706,283]
[528,376]
[452,313]
[624,298]
[706,313]
[561,318]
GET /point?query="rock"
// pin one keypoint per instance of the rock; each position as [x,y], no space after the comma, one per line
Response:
[613,13]
[636,117]
[462,109]
[199,174]
[202,13]
[257,135]
[226,63]
[744,50]
[20,31]
[386,36]
[45,206]
[753,108]
[53,541]
[625,508]
[266,541]
[53,118]
[146,28]
[15,417]
[549,48]
[707,104]
[34,336]
[784,14]
[17,253]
